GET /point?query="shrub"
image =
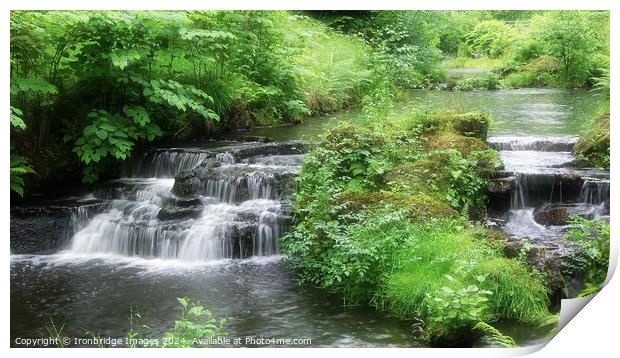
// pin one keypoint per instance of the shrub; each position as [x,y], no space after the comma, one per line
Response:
[473,124]
[592,260]
[489,81]
[491,38]
[593,145]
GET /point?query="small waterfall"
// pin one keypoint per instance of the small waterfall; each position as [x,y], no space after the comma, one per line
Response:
[233,215]
[266,237]
[539,144]
[223,189]
[594,191]
[519,193]
[166,163]
[259,185]
[225,158]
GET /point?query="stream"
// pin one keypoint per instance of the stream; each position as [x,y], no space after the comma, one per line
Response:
[212,233]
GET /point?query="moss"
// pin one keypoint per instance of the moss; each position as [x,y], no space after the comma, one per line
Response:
[352,137]
[472,124]
[420,207]
[593,146]
[429,174]
[465,145]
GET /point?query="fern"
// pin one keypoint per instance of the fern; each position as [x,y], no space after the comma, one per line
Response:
[553,321]
[497,336]
[589,290]
[19,167]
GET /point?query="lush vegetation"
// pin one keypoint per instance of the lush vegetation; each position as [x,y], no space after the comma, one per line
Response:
[592,238]
[89,87]
[530,49]
[387,206]
[382,215]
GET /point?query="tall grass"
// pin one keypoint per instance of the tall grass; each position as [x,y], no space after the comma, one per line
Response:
[334,69]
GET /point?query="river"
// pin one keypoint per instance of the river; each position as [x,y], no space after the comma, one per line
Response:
[133,243]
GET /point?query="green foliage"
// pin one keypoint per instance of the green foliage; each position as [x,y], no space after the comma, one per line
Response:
[592,259]
[457,309]
[602,84]
[19,167]
[497,336]
[112,135]
[567,36]
[490,38]
[16,120]
[404,42]
[19,164]
[545,48]
[489,81]
[593,145]
[193,324]
[473,124]
[374,223]
[172,74]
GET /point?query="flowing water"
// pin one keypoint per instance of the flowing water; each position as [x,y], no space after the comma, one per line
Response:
[148,238]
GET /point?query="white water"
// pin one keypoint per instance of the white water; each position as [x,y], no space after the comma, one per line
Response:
[230,225]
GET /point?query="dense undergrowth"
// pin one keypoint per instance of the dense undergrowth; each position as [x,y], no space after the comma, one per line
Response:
[382,215]
[528,49]
[101,83]
[92,87]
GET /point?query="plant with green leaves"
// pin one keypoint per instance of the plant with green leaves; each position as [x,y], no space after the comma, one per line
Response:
[194,323]
[592,238]
[19,164]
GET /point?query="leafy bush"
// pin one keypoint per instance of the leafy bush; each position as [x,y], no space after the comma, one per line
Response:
[490,81]
[473,124]
[593,145]
[193,324]
[592,260]
[490,38]
[375,221]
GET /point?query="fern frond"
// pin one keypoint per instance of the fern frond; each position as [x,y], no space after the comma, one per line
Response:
[496,335]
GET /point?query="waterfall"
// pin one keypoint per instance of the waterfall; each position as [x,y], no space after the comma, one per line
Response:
[234,215]
[166,163]
[594,191]
[539,144]
[225,158]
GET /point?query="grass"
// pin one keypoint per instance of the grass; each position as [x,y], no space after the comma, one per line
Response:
[446,254]
[334,69]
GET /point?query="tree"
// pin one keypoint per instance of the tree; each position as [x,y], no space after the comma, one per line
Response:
[567,36]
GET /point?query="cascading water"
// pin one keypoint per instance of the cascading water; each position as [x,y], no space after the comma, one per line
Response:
[166,163]
[544,177]
[234,215]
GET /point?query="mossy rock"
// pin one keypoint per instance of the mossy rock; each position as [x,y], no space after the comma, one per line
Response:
[472,124]
[465,145]
[352,136]
[593,147]
[428,175]
[421,207]
[542,65]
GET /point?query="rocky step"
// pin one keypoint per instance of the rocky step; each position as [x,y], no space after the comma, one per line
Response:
[237,183]
[45,229]
[533,143]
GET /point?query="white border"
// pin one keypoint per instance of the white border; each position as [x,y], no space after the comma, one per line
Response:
[592,332]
